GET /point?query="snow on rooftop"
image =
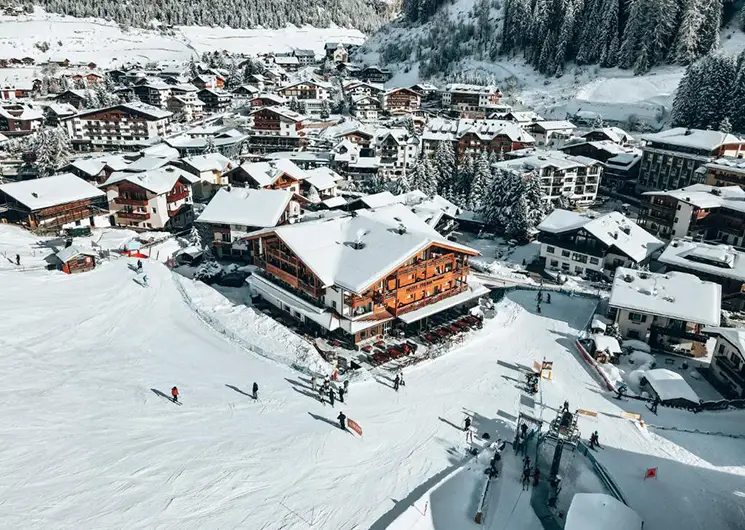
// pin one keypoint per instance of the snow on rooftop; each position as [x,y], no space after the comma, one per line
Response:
[670,385]
[440,129]
[266,173]
[66,254]
[612,229]
[718,260]
[595,511]
[209,162]
[532,159]
[706,196]
[554,125]
[322,178]
[674,295]
[327,247]
[735,336]
[376,200]
[697,138]
[246,207]
[147,163]
[58,189]
[158,181]
[474,290]
[334,202]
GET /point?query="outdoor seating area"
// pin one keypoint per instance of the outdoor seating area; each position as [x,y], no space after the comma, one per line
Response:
[381,352]
[444,329]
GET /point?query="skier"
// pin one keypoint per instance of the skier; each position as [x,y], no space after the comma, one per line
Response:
[139,265]
[341,394]
[342,421]
[320,395]
[401,378]
[526,478]
[467,423]
[331,396]
[313,383]
[566,406]
[144,280]
[526,462]
[18,260]
[539,298]
[346,386]
[594,441]
[396,382]
[538,308]
[255,390]
[469,435]
[174,394]
[548,298]
[654,404]
[536,476]
[524,430]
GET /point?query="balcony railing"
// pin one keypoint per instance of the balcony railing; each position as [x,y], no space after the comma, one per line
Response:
[429,300]
[130,202]
[725,365]
[138,216]
[173,197]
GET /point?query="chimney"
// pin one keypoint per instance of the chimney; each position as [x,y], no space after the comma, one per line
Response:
[401,229]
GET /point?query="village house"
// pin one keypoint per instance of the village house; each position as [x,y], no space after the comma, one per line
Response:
[553,134]
[398,151]
[212,80]
[324,180]
[357,276]
[667,311]
[125,124]
[288,63]
[156,199]
[305,57]
[591,245]
[522,118]
[621,172]
[276,129]
[215,100]
[51,202]
[337,52]
[72,260]
[245,93]
[574,178]
[55,113]
[20,120]
[374,74]
[609,134]
[211,170]
[699,211]
[266,100]
[427,91]
[155,93]
[466,135]
[672,157]
[76,97]
[223,139]
[366,108]
[232,214]
[402,101]
[716,263]
[728,360]
[306,90]
[186,107]
[358,88]
[725,171]
[273,175]
[471,101]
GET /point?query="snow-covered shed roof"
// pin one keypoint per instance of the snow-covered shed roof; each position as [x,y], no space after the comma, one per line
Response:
[281,111]
[148,110]
[247,207]
[607,343]
[612,229]
[676,295]
[66,254]
[594,511]
[527,116]
[89,166]
[334,202]
[718,260]
[209,162]
[322,178]
[387,238]
[696,138]
[267,173]
[728,163]
[58,189]
[471,89]
[376,200]
[157,181]
[670,385]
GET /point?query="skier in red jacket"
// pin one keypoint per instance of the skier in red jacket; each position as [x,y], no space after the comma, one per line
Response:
[174,394]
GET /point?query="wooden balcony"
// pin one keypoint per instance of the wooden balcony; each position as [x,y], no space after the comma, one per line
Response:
[130,202]
[137,216]
[428,300]
[173,197]
[291,280]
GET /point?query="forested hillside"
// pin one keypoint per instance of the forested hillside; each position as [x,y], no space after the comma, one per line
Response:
[365,15]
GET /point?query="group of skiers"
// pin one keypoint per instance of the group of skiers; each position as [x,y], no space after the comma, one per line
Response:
[254,389]
[399,380]
[325,389]
[528,472]
[539,300]
[594,440]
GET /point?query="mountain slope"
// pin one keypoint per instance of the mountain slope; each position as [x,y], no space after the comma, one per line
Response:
[365,15]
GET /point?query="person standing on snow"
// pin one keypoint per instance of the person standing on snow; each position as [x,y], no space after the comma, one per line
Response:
[467,423]
[139,265]
[566,406]
[526,478]
[174,394]
[401,378]
[341,394]
[346,386]
[320,395]
[144,280]
[331,396]
[342,421]
[548,298]
[396,383]
[18,260]
[313,383]
[526,462]
[255,391]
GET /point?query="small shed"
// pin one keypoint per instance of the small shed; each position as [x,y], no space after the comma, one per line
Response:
[669,387]
[606,347]
[592,511]
[72,260]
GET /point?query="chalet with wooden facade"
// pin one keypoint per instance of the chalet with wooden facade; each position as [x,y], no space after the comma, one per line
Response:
[157,199]
[215,100]
[211,170]
[51,202]
[20,120]
[232,214]
[306,90]
[273,175]
[123,125]
[402,101]
[72,260]
[475,136]
[359,275]
[276,129]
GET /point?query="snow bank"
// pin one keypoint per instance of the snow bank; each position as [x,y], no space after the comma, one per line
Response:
[640,358]
[636,345]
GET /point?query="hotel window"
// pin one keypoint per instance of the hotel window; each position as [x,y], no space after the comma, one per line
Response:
[550,250]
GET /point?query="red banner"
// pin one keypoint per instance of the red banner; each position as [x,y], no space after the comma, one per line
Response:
[354,426]
[651,473]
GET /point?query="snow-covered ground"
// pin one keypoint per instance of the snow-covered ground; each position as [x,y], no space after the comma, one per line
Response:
[107,44]
[89,441]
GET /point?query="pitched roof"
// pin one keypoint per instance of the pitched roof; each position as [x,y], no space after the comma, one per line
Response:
[133,107]
[157,181]
[670,385]
[440,129]
[58,189]
[736,336]
[246,207]
[722,261]
[209,162]
[612,229]
[676,295]
[267,173]
[322,178]
[327,246]
[66,254]
[706,196]
[697,138]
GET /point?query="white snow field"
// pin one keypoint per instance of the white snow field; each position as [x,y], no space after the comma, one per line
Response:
[89,442]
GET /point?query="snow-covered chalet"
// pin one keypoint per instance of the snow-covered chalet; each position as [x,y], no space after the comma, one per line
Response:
[359,275]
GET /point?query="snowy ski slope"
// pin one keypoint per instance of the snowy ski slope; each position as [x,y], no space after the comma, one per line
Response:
[88,443]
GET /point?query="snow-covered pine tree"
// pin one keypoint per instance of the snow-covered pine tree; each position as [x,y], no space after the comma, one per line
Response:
[481,183]
[422,177]
[444,163]
[90,101]
[313,195]
[195,238]
[234,78]
[683,111]
[51,148]
[538,206]
[518,226]
[325,110]
[737,99]
[192,68]
[465,177]
[708,38]
[301,107]
[293,104]
[725,125]
[210,147]
[720,73]
[610,35]
[685,47]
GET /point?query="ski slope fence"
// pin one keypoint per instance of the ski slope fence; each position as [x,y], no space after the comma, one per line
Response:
[481,512]
[602,473]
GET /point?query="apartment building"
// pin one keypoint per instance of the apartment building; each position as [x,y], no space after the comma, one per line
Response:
[471,101]
[467,135]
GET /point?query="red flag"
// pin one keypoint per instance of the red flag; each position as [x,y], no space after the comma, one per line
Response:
[651,473]
[354,426]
